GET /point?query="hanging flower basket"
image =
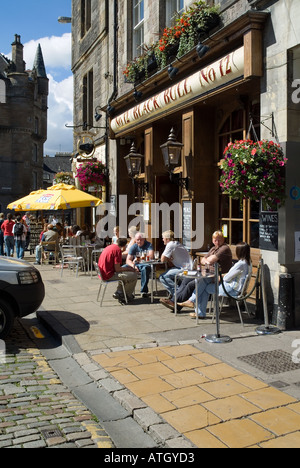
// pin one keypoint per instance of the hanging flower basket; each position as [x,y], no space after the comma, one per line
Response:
[254,170]
[91,174]
[64,178]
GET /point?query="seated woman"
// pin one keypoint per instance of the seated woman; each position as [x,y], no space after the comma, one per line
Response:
[233,282]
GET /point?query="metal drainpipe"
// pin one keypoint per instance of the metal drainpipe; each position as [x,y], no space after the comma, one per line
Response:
[115,88]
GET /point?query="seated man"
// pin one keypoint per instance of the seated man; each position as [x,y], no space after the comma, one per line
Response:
[49,236]
[141,245]
[177,257]
[220,253]
[110,264]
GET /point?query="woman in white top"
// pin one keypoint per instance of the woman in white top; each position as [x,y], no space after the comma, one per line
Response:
[234,280]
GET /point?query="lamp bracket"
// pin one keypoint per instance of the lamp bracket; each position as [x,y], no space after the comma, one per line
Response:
[182,182]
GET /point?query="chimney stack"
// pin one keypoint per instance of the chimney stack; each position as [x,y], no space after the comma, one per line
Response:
[17,55]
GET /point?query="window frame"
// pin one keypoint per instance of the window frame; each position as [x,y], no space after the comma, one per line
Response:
[172,10]
[236,214]
[138,22]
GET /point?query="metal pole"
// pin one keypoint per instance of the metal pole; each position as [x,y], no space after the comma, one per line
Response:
[218,338]
[265,329]
[197,300]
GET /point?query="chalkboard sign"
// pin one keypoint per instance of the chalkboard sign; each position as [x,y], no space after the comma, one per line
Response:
[268,231]
[187,218]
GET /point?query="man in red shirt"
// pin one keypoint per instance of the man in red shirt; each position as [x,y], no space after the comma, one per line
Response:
[9,242]
[110,264]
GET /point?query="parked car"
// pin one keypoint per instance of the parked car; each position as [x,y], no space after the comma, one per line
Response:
[22,292]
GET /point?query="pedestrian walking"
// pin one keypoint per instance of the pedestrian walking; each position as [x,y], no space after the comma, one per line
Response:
[1,235]
[20,232]
[7,229]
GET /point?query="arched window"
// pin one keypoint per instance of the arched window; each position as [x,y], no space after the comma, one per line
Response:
[239,223]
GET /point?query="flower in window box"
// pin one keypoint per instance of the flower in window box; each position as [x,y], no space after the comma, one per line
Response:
[64,178]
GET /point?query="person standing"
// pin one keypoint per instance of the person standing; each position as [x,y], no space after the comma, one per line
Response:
[7,229]
[26,219]
[1,235]
[19,232]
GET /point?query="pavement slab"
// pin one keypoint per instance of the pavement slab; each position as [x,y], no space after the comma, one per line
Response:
[155,363]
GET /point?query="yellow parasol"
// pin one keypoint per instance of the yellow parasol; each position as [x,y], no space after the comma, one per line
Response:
[58,197]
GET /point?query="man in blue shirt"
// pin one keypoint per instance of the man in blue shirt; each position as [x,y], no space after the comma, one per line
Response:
[141,245]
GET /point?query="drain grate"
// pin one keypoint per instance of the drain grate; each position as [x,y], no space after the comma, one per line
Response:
[51,433]
[271,362]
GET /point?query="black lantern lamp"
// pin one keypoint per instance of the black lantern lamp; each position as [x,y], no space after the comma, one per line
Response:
[171,151]
[134,162]
[134,166]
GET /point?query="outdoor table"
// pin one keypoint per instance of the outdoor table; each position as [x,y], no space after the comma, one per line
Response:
[152,264]
[197,276]
[86,252]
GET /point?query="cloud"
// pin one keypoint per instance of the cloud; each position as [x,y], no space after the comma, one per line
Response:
[60,112]
[56,51]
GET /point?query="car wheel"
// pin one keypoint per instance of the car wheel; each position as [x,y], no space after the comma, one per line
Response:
[6,319]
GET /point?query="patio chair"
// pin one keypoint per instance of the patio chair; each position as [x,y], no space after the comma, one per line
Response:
[70,258]
[49,255]
[95,257]
[104,284]
[242,294]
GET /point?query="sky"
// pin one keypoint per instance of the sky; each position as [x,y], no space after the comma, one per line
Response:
[36,22]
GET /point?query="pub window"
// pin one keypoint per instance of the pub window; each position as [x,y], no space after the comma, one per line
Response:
[86,16]
[239,223]
[138,27]
[88,98]
[173,9]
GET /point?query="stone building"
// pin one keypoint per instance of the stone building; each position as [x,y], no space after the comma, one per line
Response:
[247,65]
[52,166]
[23,124]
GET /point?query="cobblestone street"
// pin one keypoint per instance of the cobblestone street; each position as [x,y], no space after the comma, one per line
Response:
[36,409]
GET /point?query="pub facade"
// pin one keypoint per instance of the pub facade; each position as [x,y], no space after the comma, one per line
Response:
[168,127]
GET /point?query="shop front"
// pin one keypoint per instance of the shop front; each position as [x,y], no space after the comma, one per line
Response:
[208,106]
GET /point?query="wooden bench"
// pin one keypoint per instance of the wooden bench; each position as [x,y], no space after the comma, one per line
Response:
[255,258]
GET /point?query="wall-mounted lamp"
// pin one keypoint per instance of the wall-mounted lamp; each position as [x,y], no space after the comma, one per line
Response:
[110,110]
[97,113]
[172,71]
[137,95]
[64,20]
[171,151]
[134,166]
[201,49]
